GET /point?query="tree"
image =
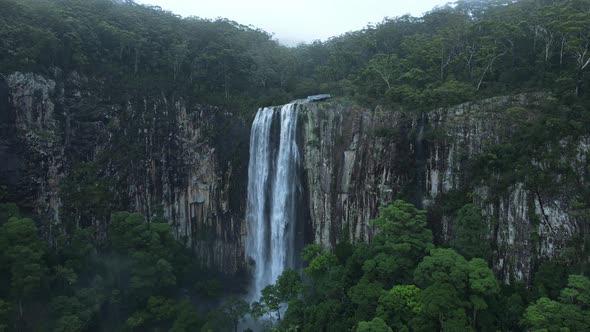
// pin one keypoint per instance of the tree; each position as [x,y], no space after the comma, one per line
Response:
[401,240]
[387,67]
[572,312]
[494,45]
[269,303]
[399,306]
[577,291]
[482,285]
[549,315]
[187,319]
[23,253]
[319,260]
[285,290]
[550,279]
[150,248]
[161,309]
[74,313]
[470,233]
[571,20]
[444,277]
[289,285]
[70,323]
[365,295]
[376,325]
[235,309]
[453,285]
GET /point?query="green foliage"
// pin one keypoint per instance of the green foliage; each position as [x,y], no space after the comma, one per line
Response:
[75,313]
[235,309]
[24,254]
[319,260]
[376,325]
[284,291]
[7,211]
[23,269]
[400,306]
[150,247]
[400,242]
[470,233]
[146,48]
[451,54]
[443,275]
[577,292]
[550,279]
[187,319]
[131,284]
[445,291]
[161,308]
[509,308]
[86,196]
[548,315]
[365,296]
[452,285]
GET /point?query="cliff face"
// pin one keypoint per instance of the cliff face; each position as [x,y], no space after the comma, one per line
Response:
[147,153]
[64,140]
[356,160]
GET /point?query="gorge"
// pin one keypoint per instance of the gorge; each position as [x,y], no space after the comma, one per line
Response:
[442,185]
[352,161]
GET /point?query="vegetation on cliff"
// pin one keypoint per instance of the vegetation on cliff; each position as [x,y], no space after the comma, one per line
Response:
[467,50]
[144,280]
[401,282]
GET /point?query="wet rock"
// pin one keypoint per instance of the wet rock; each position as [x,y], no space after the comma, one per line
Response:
[156,152]
[357,160]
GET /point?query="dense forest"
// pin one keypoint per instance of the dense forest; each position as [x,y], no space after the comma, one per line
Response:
[137,277]
[145,280]
[401,282]
[467,50]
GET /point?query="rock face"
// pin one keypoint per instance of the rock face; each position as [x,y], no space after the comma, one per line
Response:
[156,154]
[64,137]
[356,160]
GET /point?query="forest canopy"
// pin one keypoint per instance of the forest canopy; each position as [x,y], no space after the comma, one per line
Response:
[463,51]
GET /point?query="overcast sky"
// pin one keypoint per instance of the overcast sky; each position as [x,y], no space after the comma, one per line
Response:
[299,20]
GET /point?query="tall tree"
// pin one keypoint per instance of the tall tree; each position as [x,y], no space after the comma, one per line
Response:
[470,233]
[401,240]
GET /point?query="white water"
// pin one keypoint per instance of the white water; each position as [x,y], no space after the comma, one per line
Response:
[273,187]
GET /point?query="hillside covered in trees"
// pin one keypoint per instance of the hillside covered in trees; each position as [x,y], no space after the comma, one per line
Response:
[100,269]
[464,51]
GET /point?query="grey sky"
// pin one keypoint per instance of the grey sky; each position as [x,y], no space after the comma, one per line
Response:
[299,20]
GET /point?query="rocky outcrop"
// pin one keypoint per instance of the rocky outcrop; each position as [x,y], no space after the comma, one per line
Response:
[356,160]
[155,154]
[31,143]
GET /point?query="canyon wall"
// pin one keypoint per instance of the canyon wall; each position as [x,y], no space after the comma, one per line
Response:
[151,154]
[356,160]
[65,140]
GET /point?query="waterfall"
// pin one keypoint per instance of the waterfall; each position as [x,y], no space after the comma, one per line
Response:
[273,193]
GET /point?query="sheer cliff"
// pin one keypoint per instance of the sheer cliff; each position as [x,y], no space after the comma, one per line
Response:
[73,153]
[357,160]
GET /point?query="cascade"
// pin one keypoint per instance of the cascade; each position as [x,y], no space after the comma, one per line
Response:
[274,191]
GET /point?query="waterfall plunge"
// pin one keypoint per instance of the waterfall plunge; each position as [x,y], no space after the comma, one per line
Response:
[273,194]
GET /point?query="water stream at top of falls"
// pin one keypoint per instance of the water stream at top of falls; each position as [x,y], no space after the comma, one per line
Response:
[273,191]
